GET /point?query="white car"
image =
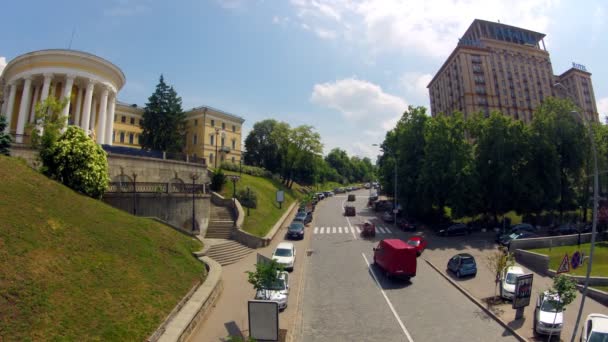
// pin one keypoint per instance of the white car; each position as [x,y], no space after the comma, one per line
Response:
[277,292]
[547,318]
[507,281]
[285,255]
[595,328]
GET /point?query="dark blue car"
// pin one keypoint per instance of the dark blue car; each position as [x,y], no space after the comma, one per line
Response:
[295,230]
[463,264]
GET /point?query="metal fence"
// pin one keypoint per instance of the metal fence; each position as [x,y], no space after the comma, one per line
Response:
[138,152]
[156,188]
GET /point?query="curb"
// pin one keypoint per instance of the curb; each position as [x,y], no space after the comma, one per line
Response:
[478,303]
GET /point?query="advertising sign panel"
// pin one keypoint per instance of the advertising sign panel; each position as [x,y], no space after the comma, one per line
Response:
[523,291]
[263,320]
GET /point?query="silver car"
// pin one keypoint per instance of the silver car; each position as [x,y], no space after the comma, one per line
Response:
[276,292]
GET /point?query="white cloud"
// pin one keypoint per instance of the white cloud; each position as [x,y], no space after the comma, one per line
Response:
[364,103]
[602,108]
[414,84]
[326,34]
[2,63]
[428,28]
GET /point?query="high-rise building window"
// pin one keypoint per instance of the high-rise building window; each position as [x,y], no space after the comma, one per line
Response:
[233,144]
[223,125]
[132,121]
[123,119]
[212,123]
[195,122]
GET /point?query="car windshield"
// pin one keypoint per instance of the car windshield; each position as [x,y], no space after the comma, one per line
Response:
[598,337]
[549,305]
[511,278]
[468,261]
[282,252]
[414,243]
[295,227]
[278,285]
[514,236]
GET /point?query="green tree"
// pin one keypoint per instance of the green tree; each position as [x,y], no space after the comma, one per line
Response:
[265,274]
[497,262]
[164,121]
[5,138]
[565,288]
[46,129]
[218,180]
[295,146]
[79,163]
[261,148]
[339,160]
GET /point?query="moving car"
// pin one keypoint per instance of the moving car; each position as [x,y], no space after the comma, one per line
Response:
[388,217]
[339,190]
[320,195]
[396,258]
[285,255]
[295,230]
[417,242]
[455,229]
[349,210]
[406,225]
[328,193]
[508,279]
[564,229]
[595,328]
[548,319]
[351,198]
[506,240]
[304,217]
[277,291]
[463,264]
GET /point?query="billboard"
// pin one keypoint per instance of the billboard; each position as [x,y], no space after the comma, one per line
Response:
[523,291]
[263,320]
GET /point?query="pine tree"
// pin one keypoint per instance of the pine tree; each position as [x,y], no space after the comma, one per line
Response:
[164,121]
[5,138]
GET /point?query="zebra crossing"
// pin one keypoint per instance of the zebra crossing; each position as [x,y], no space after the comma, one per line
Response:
[348,230]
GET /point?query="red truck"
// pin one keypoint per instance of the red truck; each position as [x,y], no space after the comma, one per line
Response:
[396,258]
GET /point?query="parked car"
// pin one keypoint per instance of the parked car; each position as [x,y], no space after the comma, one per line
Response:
[339,190]
[406,225]
[304,217]
[455,229]
[383,205]
[277,291]
[285,255]
[328,193]
[462,264]
[351,197]
[564,229]
[417,242]
[507,281]
[506,240]
[547,318]
[295,230]
[518,228]
[396,258]
[595,328]
[388,217]
[319,196]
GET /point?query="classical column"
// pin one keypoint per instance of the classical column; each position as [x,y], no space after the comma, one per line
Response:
[10,105]
[78,109]
[103,107]
[23,108]
[67,93]
[4,100]
[34,102]
[46,85]
[110,118]
[93,115]
[86,110]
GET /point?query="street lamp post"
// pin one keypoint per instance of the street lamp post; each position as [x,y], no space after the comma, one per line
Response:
[194,177]
[134,193]
[234,179]
[395,190]
[595,205]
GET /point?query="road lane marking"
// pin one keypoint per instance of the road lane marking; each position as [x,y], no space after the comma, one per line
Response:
[388,230]
[316,230]
[358,230]
[381,230]
[340,230]
[322,230]
[390,305]
[333,230]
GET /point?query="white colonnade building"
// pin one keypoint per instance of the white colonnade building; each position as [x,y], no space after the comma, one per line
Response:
[89,83]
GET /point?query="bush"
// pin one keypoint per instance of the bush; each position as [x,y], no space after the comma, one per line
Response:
[248,170]
[218,180]
[248,199]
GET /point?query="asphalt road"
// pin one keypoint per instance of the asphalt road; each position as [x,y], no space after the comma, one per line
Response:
[345,299]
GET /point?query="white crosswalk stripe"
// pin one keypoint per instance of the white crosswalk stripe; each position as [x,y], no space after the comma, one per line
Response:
[316,230]
[380,230]
[333,230]
[322,230]
[388,230]
[340,230]
[349,230]
[358,230]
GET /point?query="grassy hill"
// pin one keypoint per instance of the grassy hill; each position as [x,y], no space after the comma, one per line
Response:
[263,218]
[74,268]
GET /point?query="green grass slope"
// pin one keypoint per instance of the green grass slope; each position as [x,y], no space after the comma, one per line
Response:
[73,268]
[263,218]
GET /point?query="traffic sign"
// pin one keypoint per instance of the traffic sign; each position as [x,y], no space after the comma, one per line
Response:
[576,260]
[564,266]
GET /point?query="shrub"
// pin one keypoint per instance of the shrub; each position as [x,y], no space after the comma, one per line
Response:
[248,199]
[246,169]
[5,138]
[218,180]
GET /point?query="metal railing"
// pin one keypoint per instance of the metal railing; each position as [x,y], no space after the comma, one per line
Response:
[156,188]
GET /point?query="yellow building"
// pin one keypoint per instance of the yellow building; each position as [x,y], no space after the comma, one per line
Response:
[91,85]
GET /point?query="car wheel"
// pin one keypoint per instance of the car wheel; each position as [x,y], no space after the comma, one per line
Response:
[457,274]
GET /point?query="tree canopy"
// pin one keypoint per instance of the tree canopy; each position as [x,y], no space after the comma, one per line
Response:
[164,121]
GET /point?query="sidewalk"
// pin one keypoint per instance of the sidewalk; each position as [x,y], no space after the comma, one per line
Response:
[482,286]
[229,315]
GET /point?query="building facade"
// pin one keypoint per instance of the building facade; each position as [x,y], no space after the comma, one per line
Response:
[508,69]
[91,85]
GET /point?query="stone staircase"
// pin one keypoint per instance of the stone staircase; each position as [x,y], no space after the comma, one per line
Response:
[222,249]
[220,223]
[229,252]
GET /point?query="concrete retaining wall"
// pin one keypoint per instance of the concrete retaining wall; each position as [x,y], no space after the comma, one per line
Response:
[598,295]
[176,209]
[593,281]
[195,309]
[539,263]
[551,241]
[253,241]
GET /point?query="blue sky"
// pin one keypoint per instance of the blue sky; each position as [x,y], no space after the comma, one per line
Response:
[347,67]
